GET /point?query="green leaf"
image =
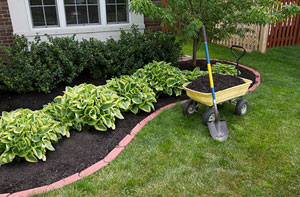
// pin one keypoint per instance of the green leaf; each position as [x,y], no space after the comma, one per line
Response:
[48,145]
[37,153]
[146,108]
[107,106]
[137,101]
[31,158]
[134,109]
[100,126]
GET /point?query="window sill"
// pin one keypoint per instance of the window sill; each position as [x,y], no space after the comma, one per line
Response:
[69,30]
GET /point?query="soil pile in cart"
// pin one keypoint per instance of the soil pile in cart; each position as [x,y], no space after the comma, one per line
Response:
[221,82]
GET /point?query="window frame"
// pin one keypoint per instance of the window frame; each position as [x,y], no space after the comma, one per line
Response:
[116,10]
[62,22]
[44,15]
[85,5]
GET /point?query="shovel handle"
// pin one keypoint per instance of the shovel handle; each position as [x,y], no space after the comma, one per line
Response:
[210,73]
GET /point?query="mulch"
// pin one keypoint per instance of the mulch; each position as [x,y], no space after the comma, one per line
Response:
[73,154]
[221,82]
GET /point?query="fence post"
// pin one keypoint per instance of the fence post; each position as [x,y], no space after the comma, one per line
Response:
[264,33]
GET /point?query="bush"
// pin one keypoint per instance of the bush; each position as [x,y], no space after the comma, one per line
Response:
[132,51]
[28,134]
[40,65]
[164,78]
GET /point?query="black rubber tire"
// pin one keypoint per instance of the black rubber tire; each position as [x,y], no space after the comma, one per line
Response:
[207,116]
[189,107]
[241,107]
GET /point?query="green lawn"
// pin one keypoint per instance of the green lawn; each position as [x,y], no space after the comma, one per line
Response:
[174,155]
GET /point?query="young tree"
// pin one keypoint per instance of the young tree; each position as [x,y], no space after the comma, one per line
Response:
[222,18]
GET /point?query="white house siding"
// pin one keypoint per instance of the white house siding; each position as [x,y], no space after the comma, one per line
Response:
[21,22]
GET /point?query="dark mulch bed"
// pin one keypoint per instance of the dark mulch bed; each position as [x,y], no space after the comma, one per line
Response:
[72,154]
[221,82]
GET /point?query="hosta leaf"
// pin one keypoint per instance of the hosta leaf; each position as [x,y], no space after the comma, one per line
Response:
[107,106]
[118,114]
[77,126]
[137,101]
[171,82]
[146,108]
[53,137]
[48,145]
[124,104]
[107,120]
[31,158]
[58,99]
[37,152]
[100,126]
[134,109]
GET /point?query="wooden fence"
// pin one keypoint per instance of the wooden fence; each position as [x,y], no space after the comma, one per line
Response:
[285,33]
[252,41]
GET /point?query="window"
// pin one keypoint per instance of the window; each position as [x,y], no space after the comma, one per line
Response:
[43,13]
[82,12]
[116,11]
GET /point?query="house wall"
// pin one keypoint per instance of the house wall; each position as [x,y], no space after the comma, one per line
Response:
[5,24]
[21,22]
[153,25]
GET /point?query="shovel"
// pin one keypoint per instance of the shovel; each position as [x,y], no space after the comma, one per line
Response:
[218,128]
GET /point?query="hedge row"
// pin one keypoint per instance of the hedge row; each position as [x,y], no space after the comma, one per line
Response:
[41,65]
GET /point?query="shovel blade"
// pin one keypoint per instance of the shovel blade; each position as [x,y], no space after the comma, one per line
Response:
[218,130]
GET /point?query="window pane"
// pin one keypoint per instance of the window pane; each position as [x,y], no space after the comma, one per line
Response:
[71,14]
[121,1]
[110,1]
[93,14]
[51,17]
[49,2]
[35,2]
[122,13]
[82,15]
[69,2]
[80,2]
[37,17]
[92,1]
[111,13]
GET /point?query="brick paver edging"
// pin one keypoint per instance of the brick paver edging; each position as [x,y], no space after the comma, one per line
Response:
[97,166]
[114,153]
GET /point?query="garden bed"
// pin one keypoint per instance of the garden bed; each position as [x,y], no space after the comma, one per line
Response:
[83,149]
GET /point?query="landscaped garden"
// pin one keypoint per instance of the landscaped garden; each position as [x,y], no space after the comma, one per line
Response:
[174,155]
[66,105]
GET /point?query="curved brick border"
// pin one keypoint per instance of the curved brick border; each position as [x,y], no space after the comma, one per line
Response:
[257,75]
[113,154]
[97,166]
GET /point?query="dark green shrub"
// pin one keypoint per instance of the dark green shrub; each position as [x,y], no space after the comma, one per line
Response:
[132,51]
[40,65]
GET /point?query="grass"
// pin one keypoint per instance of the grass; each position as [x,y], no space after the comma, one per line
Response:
[174,155]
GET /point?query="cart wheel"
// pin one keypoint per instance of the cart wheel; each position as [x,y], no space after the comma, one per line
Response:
[189,107]
[209,116]
[241,107]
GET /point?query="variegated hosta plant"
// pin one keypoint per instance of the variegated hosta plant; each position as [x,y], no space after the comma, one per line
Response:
[134,93]
[162,77]
[28,134]
[95,106]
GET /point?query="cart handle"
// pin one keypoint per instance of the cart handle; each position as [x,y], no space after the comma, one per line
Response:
[237,57]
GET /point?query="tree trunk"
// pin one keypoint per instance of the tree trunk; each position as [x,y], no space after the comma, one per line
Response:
[195,45]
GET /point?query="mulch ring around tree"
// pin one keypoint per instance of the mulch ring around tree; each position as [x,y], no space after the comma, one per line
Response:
[73,154]
[221,82]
